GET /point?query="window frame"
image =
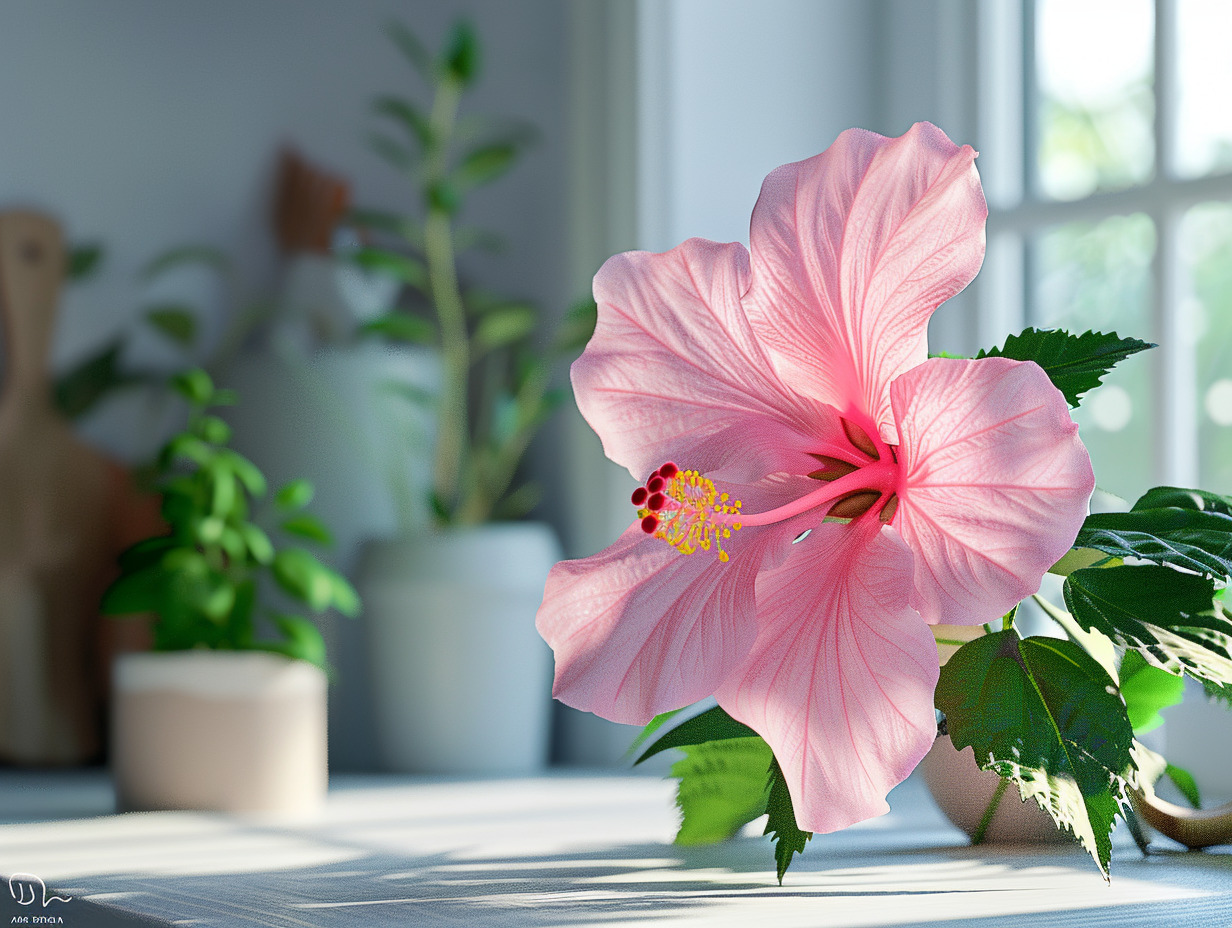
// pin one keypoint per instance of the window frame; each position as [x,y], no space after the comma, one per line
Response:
[1006,101]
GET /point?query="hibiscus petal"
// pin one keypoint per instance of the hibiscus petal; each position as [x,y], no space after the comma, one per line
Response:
[639,628]
[995,483]
[840,680]
[674,372]
[853,249]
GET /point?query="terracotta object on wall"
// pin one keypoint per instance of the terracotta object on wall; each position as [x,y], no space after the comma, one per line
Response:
[58,536]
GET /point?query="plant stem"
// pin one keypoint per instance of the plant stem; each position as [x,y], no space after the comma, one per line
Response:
[986,819]
[452,423]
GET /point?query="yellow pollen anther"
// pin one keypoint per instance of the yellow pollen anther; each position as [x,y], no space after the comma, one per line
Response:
[693,515]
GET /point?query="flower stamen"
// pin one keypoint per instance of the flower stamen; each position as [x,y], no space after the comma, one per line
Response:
[686,510]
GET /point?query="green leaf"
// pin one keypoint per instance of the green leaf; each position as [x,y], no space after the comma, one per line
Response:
[1192,539]
[440,509]
[788,839]
[462,58]
[258,543]
[306,525]
[577,327]
[294,495]
[445,197]
[301,575]
[1074,363]
[412,49]
[178,323]
[1146,691]
[1172,618]
[650,728]
[406,268]
[502,327]
[250,475]
[212,429]
[79,389]
[1183,780]
[1182,498]
[344,596]
[188,448]
[135,591]
[1044,713]
[712,725]
[303,639]
[485,164]
[83,261]
[186,255]
[224,492]
[402,327]
[722,788]
[304,577]
[406,115]
[145,553]
[195,386]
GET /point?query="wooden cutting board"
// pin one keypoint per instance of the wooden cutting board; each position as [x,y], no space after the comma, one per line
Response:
[57,509]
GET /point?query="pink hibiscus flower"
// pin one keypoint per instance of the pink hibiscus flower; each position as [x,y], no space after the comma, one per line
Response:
[793,388]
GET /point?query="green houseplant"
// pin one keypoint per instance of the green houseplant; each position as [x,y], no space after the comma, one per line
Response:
[482,572]
[228,711]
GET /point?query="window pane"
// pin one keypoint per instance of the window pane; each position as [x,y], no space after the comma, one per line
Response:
[1094,72]
[1098,276]
[1204,66]
[1206,240]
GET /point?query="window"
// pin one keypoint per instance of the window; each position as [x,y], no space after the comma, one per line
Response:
[1107,137]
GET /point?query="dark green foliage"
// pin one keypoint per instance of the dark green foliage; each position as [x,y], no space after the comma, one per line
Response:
[1074,363]
[1173,619]
[728,777]
[1182,498]
[1198,540]
[200,580]
[1045,714]
[496,387]
[781,825]
[462,58]
[712,725]
[83,261]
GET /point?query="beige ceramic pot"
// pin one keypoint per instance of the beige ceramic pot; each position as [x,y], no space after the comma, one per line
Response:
[964,793]
[228,731]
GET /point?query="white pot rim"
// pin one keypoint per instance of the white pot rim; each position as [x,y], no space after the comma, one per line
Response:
[216,674]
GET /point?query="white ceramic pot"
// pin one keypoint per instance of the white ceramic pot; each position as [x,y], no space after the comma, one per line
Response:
[228,731]
[461,679]
[963,792]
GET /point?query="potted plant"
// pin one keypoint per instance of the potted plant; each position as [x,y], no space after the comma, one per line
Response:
[458,602]
[820,506]
[228,710]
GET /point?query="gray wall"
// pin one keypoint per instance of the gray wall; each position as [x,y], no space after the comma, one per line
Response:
[146,125]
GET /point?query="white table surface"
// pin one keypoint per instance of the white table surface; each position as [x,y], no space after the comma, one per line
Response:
[560,850]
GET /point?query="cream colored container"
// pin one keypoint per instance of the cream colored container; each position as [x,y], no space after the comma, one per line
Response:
[227,731]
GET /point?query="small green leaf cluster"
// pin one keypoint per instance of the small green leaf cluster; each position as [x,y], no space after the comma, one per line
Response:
[496,390]
[1145,604]
[103,371]
[202,580]
[728,777]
